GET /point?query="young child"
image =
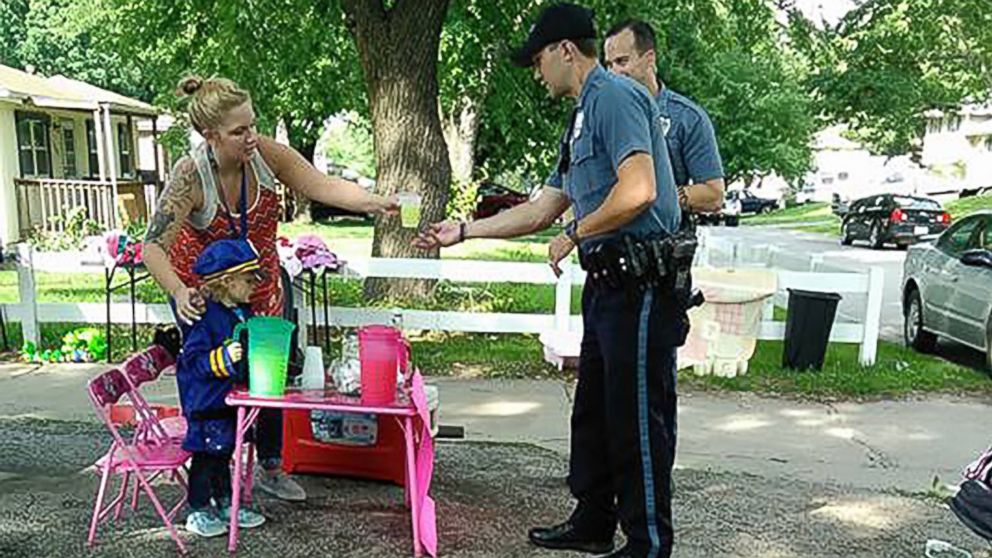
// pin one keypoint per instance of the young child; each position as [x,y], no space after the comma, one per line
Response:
[206,371]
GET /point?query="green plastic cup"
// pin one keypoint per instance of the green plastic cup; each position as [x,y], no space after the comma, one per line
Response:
[409,209]
[269,341]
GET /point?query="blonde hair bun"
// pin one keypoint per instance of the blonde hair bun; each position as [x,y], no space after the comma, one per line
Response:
[190,85]
[210,100]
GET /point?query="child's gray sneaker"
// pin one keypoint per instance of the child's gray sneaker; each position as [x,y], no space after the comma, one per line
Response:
[247,519]
[205,523]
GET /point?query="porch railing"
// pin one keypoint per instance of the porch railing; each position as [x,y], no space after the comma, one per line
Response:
[39,200]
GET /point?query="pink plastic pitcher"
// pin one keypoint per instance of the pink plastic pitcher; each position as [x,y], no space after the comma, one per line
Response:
[382,351]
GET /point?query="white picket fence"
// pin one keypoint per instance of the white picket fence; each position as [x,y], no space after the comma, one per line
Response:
[561,318]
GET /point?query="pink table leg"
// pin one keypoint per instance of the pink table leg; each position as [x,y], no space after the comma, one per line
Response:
[232,541]
[411,475]
[249,472]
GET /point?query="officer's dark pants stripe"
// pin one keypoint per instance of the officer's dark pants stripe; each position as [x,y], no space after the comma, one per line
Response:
[623,418]
[642,425]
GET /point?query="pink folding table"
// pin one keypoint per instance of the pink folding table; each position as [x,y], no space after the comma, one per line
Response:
[249,406]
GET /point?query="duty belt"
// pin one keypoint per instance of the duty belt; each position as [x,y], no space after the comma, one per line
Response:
[634,264]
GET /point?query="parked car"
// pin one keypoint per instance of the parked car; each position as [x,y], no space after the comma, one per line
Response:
[320,212]
[751,203]
[947,287]
[893,218]
[493,198]
[805,194]
[729,215]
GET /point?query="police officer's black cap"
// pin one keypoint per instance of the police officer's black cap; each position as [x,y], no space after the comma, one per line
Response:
[557,22]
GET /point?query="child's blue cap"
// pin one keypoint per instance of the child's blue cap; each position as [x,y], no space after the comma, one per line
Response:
[226,257]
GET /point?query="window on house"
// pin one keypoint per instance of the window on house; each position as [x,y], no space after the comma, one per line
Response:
[953,123]
[125,148]
[69,150]
[842,176]
[92,149]
[33,145]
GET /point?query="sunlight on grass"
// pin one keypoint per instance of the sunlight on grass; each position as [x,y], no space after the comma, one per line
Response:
[803,213]
[960,207]
[898,371]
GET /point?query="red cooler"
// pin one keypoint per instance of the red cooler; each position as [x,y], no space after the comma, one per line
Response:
[353,447]
[355,444]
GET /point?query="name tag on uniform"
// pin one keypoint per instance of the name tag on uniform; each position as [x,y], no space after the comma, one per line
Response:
[577,127]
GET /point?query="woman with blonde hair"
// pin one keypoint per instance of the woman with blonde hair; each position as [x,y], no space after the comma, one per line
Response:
[226,188]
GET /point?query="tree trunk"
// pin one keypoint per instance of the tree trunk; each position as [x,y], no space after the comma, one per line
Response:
[398,48]
[461,128]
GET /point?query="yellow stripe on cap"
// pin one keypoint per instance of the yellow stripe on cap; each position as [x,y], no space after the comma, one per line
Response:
[250,265]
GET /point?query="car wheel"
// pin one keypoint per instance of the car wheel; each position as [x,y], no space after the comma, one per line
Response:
[845,234]
[733,221]
[913,328]
[875,236]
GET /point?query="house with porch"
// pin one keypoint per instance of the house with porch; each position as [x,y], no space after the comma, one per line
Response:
[957,147]
[65,144]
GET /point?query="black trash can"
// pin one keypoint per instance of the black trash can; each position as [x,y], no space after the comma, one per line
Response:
[808,322]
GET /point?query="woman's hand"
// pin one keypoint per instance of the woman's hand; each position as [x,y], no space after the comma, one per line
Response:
[189,304]
[386,206]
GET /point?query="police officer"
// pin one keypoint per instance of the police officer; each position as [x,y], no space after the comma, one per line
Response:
[613,171]
[629,50]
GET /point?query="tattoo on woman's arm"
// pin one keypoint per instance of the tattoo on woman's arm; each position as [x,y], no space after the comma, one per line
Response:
[159,226]
[173,205]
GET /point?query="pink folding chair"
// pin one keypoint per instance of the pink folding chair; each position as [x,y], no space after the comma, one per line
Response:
[145,367]
[145,458]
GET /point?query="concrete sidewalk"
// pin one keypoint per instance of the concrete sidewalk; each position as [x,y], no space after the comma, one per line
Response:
[883,445]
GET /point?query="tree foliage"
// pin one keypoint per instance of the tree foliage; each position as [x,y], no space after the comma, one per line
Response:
[295,57]
[888,61]
[301,64]
[62,37]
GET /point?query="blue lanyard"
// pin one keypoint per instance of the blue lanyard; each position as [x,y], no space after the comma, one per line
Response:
[242,206]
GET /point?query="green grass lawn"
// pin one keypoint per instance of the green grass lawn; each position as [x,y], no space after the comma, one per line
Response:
[897,372]
[806,213]
[963,206]
[817,218]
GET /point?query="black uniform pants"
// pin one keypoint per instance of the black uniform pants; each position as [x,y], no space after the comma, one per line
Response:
[209,476]
[623,418]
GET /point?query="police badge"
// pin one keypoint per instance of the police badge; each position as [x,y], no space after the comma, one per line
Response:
[666,124]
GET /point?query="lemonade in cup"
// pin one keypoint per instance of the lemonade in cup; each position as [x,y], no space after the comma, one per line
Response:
[409,209]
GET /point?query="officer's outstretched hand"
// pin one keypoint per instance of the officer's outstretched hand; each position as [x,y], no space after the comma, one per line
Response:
[437,235]
[559,249]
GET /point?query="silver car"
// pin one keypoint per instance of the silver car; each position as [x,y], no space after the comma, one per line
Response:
[947,287]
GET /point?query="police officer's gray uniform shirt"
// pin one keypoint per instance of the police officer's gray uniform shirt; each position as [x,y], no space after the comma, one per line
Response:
[691,141]
[616,118]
